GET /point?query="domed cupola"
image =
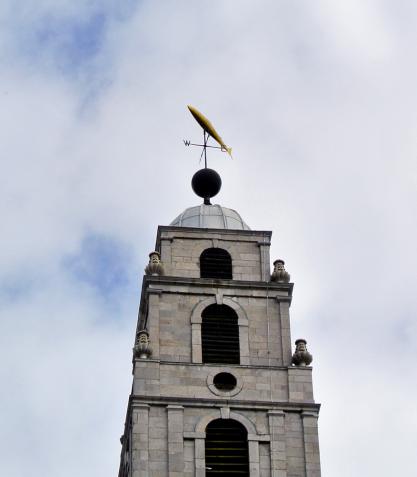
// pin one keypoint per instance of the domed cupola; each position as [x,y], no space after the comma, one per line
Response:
[210,217]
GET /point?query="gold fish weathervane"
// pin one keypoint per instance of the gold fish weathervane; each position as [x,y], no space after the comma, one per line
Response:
[209,130]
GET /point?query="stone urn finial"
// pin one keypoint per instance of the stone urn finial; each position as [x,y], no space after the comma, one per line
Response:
[142,349]
[301,356]
[279,274]
[154,266]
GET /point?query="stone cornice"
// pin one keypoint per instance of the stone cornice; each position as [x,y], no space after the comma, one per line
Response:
[217,283]
[205,233]
[216,365]
[153,284]
[301,407]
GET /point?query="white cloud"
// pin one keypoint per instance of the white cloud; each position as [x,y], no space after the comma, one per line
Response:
[318,103]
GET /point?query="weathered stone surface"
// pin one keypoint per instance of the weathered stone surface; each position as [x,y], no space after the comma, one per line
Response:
[173,398]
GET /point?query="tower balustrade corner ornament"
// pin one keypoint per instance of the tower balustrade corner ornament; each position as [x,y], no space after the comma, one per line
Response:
[142,348]
[155,266]
[301,356]
[279,274]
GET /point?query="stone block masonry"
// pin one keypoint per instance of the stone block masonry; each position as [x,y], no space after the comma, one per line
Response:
[174,394]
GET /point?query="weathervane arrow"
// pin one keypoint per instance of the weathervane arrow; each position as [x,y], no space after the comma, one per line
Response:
[209,130]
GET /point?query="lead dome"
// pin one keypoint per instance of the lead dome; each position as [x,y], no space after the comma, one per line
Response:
[210,217]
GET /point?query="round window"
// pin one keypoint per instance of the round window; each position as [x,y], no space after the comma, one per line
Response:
[224,381]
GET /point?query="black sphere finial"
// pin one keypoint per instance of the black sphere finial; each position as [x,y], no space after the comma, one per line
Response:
[206,183]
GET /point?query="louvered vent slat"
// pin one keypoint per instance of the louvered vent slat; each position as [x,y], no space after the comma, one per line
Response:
[220,335]
[226,448]
[216,263]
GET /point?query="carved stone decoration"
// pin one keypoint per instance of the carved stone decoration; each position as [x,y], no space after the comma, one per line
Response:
[142,349]
[154,266]
[279,274]
[301,357]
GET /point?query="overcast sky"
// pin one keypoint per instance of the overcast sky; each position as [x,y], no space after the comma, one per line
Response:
[318,100]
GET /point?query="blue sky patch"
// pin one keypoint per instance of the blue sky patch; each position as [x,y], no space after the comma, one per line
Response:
[15,289]
[102,263]
[72,41]
[50,41]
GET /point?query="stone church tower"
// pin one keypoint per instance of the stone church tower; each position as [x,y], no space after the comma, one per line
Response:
[216,389]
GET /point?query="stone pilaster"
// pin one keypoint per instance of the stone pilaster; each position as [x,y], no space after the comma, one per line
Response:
[166,254]
[300,384]
[140,451]
[175,441]
[153,320]
[264,260]
[278,444]
[311,444]
[244,344]
[284,314]
[200,457]
[196,343]
[253,446]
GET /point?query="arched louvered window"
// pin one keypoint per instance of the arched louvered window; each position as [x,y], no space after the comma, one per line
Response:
[216,263]
[227,448]
[220,335]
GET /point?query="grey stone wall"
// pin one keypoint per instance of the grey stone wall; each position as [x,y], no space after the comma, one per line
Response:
[181,248]
[294,443]
[173,396]
[168,440]
[174,308]
[254,383]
